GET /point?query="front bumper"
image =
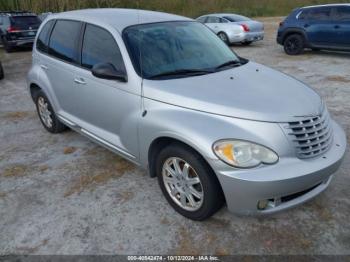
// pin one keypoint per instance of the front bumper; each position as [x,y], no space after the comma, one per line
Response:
[286,184]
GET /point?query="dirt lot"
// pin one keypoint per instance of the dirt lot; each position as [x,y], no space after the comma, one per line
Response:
[62,194]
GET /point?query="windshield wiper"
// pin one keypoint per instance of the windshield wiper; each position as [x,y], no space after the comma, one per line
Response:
[229,63]
[182,72]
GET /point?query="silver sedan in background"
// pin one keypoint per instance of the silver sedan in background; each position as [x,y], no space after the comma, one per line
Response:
[232,28]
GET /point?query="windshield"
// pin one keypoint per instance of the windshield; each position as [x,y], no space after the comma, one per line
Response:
[176,49]
[237,18]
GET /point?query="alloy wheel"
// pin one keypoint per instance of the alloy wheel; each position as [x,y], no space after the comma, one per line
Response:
[182,184]
[293,45]
[44,112]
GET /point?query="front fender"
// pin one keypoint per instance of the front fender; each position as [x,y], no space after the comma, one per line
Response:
[200,130]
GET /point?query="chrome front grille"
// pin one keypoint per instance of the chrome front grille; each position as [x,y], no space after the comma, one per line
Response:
[311,136]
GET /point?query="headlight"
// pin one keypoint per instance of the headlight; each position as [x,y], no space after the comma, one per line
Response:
[243,154]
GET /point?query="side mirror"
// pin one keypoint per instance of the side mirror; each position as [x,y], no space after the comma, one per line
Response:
[108,71]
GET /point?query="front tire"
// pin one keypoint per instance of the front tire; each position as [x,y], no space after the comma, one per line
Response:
[294,44]
[188,183]
[46,114]
[223,36]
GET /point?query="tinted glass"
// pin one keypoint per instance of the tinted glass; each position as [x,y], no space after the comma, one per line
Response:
[43,39]
[342,13]
[213,19]
[319,14]
[304,14]
[202,19]
[99,46]
[172,46]
[24,22]
[222,20]
[63,41]
[237,18]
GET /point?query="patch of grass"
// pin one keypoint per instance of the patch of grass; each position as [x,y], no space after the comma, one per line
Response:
[69,150]
[17,115]
[14,171]
[337,78]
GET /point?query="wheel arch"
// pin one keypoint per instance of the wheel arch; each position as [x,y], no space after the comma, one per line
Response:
[160,142]
[34,89]
[293,31]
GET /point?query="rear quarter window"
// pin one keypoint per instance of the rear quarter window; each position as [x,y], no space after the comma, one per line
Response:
[64,40]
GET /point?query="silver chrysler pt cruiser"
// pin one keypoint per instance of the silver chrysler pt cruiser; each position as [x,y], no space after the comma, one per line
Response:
[166,93]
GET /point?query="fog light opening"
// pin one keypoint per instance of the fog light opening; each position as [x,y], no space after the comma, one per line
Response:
[263,204]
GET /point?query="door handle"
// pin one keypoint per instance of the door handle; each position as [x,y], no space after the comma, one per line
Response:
[306,25]
[44,67]
[337,26]
[80,81]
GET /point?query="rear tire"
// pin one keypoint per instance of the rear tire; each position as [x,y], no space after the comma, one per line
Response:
[294,44]
[223,36]
[247,43]
[6,45]
[207,197]
[1,71]
[46,114]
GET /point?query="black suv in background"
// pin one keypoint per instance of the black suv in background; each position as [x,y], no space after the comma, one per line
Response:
[18,29]
[316,27]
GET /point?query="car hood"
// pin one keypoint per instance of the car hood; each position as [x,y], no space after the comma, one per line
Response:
[251,91]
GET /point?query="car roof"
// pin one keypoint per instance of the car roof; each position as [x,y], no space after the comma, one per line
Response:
[118,18]
[222,14]
[327,5]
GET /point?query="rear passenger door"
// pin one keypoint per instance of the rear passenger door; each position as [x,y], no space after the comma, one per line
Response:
[341,17]
[106,109]
[319,26]
[61,62]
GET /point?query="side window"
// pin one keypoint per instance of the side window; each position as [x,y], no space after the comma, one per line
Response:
[43,39]
[63,41]
[320,14]
[99,46]
[223,20]
[213,19]
[303,15]
[342,13]
[202,19]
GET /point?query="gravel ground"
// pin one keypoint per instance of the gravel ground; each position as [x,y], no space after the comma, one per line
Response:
[62,194]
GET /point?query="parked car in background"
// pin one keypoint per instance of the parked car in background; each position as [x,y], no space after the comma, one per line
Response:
[43,16]
[316,27]
[166,93]
[232,28]
[1,71]
[18,28]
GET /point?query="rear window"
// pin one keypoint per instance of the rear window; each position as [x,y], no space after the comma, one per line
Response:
[24,21]
[64,40]
[237,18]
